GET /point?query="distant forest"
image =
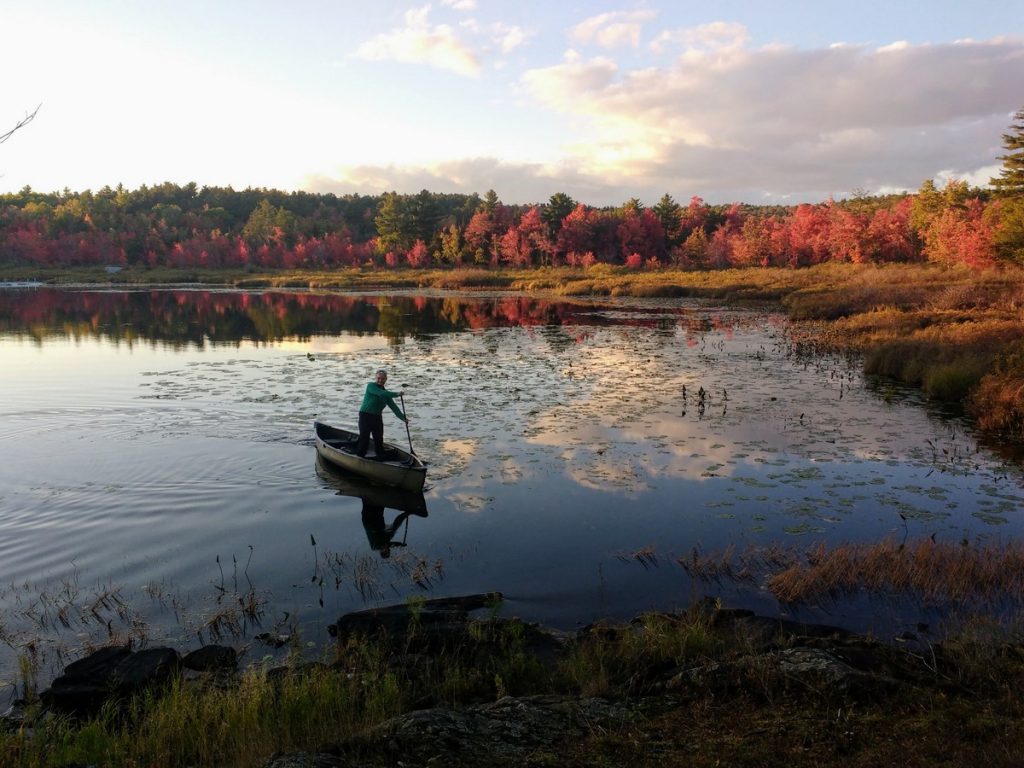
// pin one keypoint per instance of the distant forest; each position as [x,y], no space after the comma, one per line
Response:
[192,227]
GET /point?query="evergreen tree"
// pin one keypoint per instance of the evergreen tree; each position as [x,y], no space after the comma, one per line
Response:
[1009,211]
[559,206]
[424,216]
[1010,182]
[490,202]
[265,224]
[670,214]
[394,223]
[632,207]
[927,205]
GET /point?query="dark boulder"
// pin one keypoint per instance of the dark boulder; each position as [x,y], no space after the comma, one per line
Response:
[152,666]
[109,672]
[98,666]
[211,658]
[430,618]
[86,683]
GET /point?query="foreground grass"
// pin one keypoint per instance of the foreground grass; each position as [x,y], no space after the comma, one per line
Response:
[742,732]
[964,707]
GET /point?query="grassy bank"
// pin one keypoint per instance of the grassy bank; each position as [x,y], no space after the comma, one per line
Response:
[702,691]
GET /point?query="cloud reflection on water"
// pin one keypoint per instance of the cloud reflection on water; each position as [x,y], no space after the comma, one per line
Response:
[558,435]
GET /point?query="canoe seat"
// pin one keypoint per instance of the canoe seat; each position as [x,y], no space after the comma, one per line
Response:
[340,442]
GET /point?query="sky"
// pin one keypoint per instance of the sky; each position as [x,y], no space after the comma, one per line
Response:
[758,101]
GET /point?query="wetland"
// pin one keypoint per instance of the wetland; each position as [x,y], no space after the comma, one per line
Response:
[590,458]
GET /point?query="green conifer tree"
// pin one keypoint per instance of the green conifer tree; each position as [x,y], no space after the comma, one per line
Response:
[1010,181]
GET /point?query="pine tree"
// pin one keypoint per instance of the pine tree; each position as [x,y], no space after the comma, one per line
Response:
[394,223]
[1010,182]
[558,207]
[670,214]
[490,202]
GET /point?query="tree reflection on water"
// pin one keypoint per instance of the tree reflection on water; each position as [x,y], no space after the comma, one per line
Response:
[198,317]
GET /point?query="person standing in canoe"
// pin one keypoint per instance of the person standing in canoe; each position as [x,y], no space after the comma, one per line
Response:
[371,419]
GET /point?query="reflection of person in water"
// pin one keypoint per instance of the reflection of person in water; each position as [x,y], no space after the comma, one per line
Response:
[379,533]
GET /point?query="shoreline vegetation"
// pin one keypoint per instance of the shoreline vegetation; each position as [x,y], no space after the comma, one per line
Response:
[955,332]
[435,683]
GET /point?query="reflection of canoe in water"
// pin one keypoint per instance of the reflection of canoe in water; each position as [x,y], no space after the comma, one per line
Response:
[396,467]
[347,484]
[376,499]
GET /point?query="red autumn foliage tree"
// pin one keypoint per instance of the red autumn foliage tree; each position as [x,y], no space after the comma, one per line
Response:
[484,232]
[533,232]
[844,235]
[641,232]
[961,236]
[808,236]
[575,236]
[694,217]
[889,234]
[418,256]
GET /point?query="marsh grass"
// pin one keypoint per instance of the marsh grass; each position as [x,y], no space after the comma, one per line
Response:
[998,400]
[202,724]
[608,658]
[956,334]
[45,625]
[928,571]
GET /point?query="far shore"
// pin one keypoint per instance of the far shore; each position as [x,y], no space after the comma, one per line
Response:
[957,333]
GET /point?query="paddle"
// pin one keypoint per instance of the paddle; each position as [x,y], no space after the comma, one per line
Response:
[401,398]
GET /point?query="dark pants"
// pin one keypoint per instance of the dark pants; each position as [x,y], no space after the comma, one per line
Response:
[370,424]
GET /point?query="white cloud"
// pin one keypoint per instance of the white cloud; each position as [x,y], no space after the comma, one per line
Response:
[899,45]
[561,84]
[724,116]
[419,42]
[611,30]
[716,36]
[442,46]
[510,37]
[977,177]
[518,182]
[505,37]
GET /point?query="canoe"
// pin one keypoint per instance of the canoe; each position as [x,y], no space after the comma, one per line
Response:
[345,483]
[397,468]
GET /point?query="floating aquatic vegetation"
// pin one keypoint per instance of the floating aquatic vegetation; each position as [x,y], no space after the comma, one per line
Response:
[555,436]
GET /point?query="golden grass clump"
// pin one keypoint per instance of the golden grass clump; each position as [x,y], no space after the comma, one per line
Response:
[998,401]
[935,572]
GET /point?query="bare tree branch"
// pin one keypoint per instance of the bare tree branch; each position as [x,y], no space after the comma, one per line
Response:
[20,124]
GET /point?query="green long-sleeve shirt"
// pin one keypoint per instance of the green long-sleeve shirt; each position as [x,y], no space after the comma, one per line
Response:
[377,397]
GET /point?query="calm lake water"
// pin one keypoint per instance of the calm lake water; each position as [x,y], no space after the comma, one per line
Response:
[158,479]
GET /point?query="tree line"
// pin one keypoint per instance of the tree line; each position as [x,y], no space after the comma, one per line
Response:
[191,227]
